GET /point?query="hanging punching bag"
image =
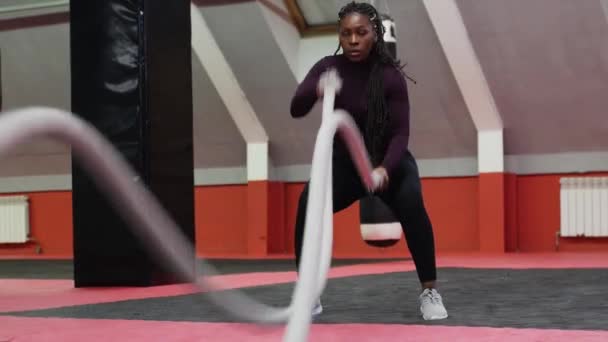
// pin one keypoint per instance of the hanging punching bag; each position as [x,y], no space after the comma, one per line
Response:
[379,228]
[390,37]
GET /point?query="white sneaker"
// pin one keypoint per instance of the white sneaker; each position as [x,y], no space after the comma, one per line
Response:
[431,305]
[317,309]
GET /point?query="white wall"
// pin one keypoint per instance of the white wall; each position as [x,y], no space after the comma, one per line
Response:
[312,49]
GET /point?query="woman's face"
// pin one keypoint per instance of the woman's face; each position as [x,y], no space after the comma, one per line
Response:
[357,36]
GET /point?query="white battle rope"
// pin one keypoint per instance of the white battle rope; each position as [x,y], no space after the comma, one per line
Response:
[320,205]
[161,235]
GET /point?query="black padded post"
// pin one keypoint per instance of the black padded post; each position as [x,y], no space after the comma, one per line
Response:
[131,78]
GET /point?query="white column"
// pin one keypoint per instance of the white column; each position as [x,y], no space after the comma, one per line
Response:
[257,161]
[490,151]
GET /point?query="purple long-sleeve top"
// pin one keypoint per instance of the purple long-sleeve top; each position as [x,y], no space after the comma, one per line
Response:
[352,98]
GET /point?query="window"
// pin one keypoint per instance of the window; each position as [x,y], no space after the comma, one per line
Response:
[315,16]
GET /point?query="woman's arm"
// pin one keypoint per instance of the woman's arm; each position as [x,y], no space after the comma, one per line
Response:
[399,124]
[306,93]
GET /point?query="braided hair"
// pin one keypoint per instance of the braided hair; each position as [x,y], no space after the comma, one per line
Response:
[377,111]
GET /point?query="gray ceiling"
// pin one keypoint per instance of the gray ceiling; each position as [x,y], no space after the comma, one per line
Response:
[546,62]
[440,122]
[217,141]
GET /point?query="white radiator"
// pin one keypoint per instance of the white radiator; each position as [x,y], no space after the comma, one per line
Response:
[14,219]
[584,206]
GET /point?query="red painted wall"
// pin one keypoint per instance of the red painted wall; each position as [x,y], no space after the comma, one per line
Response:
[451,204]
[538,217]
[222,223]
[50,225]
[221,219]
[511,228]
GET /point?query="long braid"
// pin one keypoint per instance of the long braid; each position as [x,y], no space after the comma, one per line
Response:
[377,111]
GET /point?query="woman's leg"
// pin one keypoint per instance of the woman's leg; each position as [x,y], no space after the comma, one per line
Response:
[347,188]
[404,197]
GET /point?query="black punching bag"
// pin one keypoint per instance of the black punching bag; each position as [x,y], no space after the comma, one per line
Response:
[390,37]
[131,79]
[379,228]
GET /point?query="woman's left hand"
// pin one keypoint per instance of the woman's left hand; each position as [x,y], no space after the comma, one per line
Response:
[382,175]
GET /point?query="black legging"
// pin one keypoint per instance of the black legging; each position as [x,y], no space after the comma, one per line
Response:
[403,195]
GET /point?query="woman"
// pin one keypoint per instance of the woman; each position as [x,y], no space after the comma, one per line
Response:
[374,92]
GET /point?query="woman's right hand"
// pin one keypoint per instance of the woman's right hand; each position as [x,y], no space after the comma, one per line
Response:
[329,77]
[380,177]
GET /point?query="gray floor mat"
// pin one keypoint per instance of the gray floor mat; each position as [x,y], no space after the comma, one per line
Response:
[556,298]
